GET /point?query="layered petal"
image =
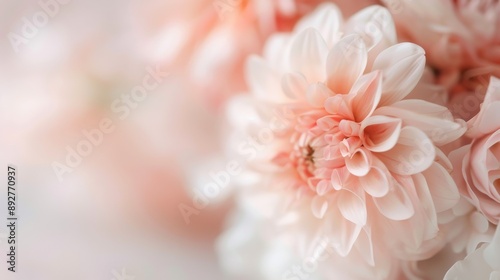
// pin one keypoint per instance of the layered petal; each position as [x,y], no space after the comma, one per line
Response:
[345,63]
[307,55]
[413,153]
[402,66]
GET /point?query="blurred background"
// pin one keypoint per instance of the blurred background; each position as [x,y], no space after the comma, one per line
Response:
[113,115]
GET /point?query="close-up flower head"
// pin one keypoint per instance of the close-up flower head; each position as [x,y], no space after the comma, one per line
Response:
[250,139]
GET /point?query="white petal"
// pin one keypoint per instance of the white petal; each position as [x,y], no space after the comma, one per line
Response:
[294,85]
[308,55]
[319,206]
[327,18]
[263,80]
[492,252]
[402,66]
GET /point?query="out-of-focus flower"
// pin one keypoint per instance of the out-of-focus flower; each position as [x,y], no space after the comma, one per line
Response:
[484,263]
[466,228]
[477,165]
[462,42]
[209,40]
[461,38]
[338,151]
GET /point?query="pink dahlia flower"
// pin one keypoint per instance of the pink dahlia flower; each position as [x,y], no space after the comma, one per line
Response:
[336,148]
[477,165]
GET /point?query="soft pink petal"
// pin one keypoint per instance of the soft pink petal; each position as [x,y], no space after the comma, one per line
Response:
[317,93]
[359,163]
[294,85]
[485,121]
[380,133]
[352,206]
[339,177]
[443,189]
[365,95]
[377,182]
[435,120]
[343,232]
[402,66]
[375,25]
[345,63]
[263,80]
[337,105]
[413,153]
[319,206]
[396,204]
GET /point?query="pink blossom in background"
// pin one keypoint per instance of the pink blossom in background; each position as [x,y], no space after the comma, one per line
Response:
[462,41]
[477,165]
[484,263]
[344,154]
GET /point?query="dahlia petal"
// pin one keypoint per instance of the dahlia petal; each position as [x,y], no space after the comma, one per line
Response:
[345,63]
[349,128]
[308,54]
[428,217]
[359,163]
[443,189]
[263,80]
[343,232]
[337,106]
[413,153]
[402,66]
[435,120]
[319,206]
[327,19]
[331,153]
[323,187]
[375,183]
[273,49]
[326,123]
[375,25]
[339,177]
[396,204]
[317,93]
[366,93]
[352,206]
[364,244]
[294,85]
[380,133]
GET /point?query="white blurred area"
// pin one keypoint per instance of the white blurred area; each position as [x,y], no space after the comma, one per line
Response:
[118,210]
